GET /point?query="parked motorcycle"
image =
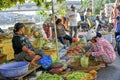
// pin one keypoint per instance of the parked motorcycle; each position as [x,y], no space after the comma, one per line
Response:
[118,44]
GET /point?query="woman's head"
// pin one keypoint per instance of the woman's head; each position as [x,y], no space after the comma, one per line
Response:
[98,35]
[97,18]
[18,27]
[58,21]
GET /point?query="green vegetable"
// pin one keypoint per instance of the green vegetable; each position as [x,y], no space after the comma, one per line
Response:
[47,76]
[76,76]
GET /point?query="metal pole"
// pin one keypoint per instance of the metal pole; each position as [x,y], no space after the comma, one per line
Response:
[55,26]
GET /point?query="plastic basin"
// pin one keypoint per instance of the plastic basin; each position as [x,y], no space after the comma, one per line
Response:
[14,69]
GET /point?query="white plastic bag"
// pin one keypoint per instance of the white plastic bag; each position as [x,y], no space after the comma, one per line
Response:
[84,61]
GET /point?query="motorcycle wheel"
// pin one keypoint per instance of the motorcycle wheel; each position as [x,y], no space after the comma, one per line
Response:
[118,47]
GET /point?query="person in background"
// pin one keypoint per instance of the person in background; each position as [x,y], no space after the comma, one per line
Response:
[111,22]
[74,18]
[87,13]
[102,50]
[23,49]
[117,30]
[116,11]
[61,34]
[98,24]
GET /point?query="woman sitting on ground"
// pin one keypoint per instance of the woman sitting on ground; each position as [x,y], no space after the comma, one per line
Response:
[23,49]
[61,34]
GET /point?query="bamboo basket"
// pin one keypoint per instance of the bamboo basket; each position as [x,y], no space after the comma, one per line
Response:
[93,65]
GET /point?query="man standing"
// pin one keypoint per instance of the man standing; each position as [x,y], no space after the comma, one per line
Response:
[73,17]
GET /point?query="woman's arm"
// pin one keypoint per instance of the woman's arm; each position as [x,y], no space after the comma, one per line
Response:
[100,50]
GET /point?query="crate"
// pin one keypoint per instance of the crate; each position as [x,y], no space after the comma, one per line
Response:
[2,58]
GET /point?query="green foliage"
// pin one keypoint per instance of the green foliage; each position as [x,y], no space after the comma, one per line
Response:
[98,4]
[42,13]
[62,11]
[60,1]
[9,3]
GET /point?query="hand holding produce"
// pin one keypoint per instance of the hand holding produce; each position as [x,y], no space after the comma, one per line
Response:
[87,54]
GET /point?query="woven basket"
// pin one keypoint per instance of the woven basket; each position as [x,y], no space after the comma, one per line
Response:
[93,65]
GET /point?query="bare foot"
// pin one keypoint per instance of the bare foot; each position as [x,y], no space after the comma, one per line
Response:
[102,64]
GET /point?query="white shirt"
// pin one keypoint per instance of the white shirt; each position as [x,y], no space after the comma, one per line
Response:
[74,18]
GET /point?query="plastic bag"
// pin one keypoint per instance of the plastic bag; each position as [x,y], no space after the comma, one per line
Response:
[84,61]
[46,61]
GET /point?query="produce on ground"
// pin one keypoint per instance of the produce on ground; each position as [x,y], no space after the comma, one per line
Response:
[82,75]
[77,76]
[57,65]
[50,45]
[74,51]
[56,70]
[47,76]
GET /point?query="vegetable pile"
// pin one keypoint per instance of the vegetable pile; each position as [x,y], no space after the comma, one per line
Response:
[47,76]
[77,76]
[74,51]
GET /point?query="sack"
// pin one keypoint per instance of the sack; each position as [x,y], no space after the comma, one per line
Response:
[45,61]
[84,61]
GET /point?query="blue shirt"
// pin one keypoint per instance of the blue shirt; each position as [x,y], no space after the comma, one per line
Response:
[118,27]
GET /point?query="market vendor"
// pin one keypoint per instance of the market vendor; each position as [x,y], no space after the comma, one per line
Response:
[102,50]
[23,49]
[61,34]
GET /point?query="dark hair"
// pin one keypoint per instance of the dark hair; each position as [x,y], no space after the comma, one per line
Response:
[72,6]
[18,26]
[118,17]
[98,34]
[58,21]
[97,18]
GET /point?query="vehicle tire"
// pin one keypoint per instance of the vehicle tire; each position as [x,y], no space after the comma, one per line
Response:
[118,47]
